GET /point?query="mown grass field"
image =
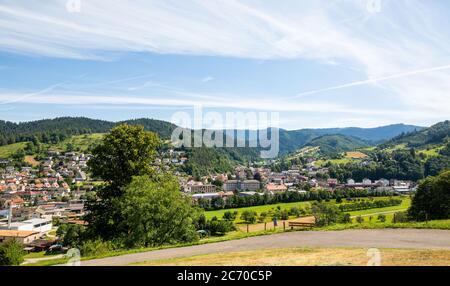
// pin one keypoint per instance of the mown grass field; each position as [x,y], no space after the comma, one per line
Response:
[286,206]
[311,257]
[406,202]
[79,142]
[8,150]
[258,209]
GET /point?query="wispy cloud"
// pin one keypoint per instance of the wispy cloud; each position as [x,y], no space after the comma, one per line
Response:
[402,51]
[207,79]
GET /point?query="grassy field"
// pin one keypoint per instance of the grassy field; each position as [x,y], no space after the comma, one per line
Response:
[431,152]
[321,163]
[258,209]
[402,207]
[81,142]
[312,257]
[8,150]
[355,155]
[286,206]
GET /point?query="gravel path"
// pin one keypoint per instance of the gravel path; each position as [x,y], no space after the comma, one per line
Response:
[381,238]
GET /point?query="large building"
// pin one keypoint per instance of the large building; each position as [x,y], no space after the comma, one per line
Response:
[23,236]
[202,189]
[230,185]
[41,226]
[250,185]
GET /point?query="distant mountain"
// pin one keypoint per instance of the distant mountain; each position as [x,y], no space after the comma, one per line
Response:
[434,135]
[58,129]
[374,135]
[332,144]
[292,140]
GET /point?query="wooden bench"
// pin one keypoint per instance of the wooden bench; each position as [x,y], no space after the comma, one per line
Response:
[293,224]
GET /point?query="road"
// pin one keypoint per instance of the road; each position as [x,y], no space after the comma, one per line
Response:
[381,238]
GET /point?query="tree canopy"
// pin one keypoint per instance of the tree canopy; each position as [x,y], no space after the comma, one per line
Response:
[432,199]
[155,212]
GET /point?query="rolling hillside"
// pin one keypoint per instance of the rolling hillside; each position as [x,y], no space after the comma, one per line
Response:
[437,134]
[332,144]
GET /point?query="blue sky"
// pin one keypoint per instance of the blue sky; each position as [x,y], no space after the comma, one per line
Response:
[318,63]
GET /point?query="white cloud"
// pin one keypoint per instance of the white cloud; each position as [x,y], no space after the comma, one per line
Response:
[207,79]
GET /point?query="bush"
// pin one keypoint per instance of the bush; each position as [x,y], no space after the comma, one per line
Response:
[220,227]
[381,218]
[262,217]
[95,247]
[249,217]
[230,216]
[359,219]
[284,215]
[400,217]
[296,212]
[346,218]
[11,253]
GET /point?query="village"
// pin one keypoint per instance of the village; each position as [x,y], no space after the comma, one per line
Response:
[35,200]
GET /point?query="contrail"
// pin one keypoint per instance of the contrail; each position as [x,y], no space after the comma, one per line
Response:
[50,88]
[373,80]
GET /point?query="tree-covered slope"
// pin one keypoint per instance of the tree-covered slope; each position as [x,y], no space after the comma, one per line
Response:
[332,144]
[434,135]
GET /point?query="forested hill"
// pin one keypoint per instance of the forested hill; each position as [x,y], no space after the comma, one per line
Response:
[434,135]
[58,129]
[332,144]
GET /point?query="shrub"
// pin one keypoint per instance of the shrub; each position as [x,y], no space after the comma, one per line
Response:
[284,215]
[262,217]
[230,216]
[400,217]
[95,247]
[249,217]
[220,227]
[381,218]
[359,219]
[346,218]
[11,253]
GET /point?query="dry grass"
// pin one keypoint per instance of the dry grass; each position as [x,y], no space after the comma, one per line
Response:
[356,155]
[312,257]
[31,160]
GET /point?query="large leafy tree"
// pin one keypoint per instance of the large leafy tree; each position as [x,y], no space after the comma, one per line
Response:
[127,151]
[432,199]
[155,212]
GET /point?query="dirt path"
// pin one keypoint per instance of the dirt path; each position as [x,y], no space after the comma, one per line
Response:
[383,238]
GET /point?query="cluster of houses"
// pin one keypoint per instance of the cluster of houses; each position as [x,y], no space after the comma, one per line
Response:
[171,157]
[30,197]
[250,181]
